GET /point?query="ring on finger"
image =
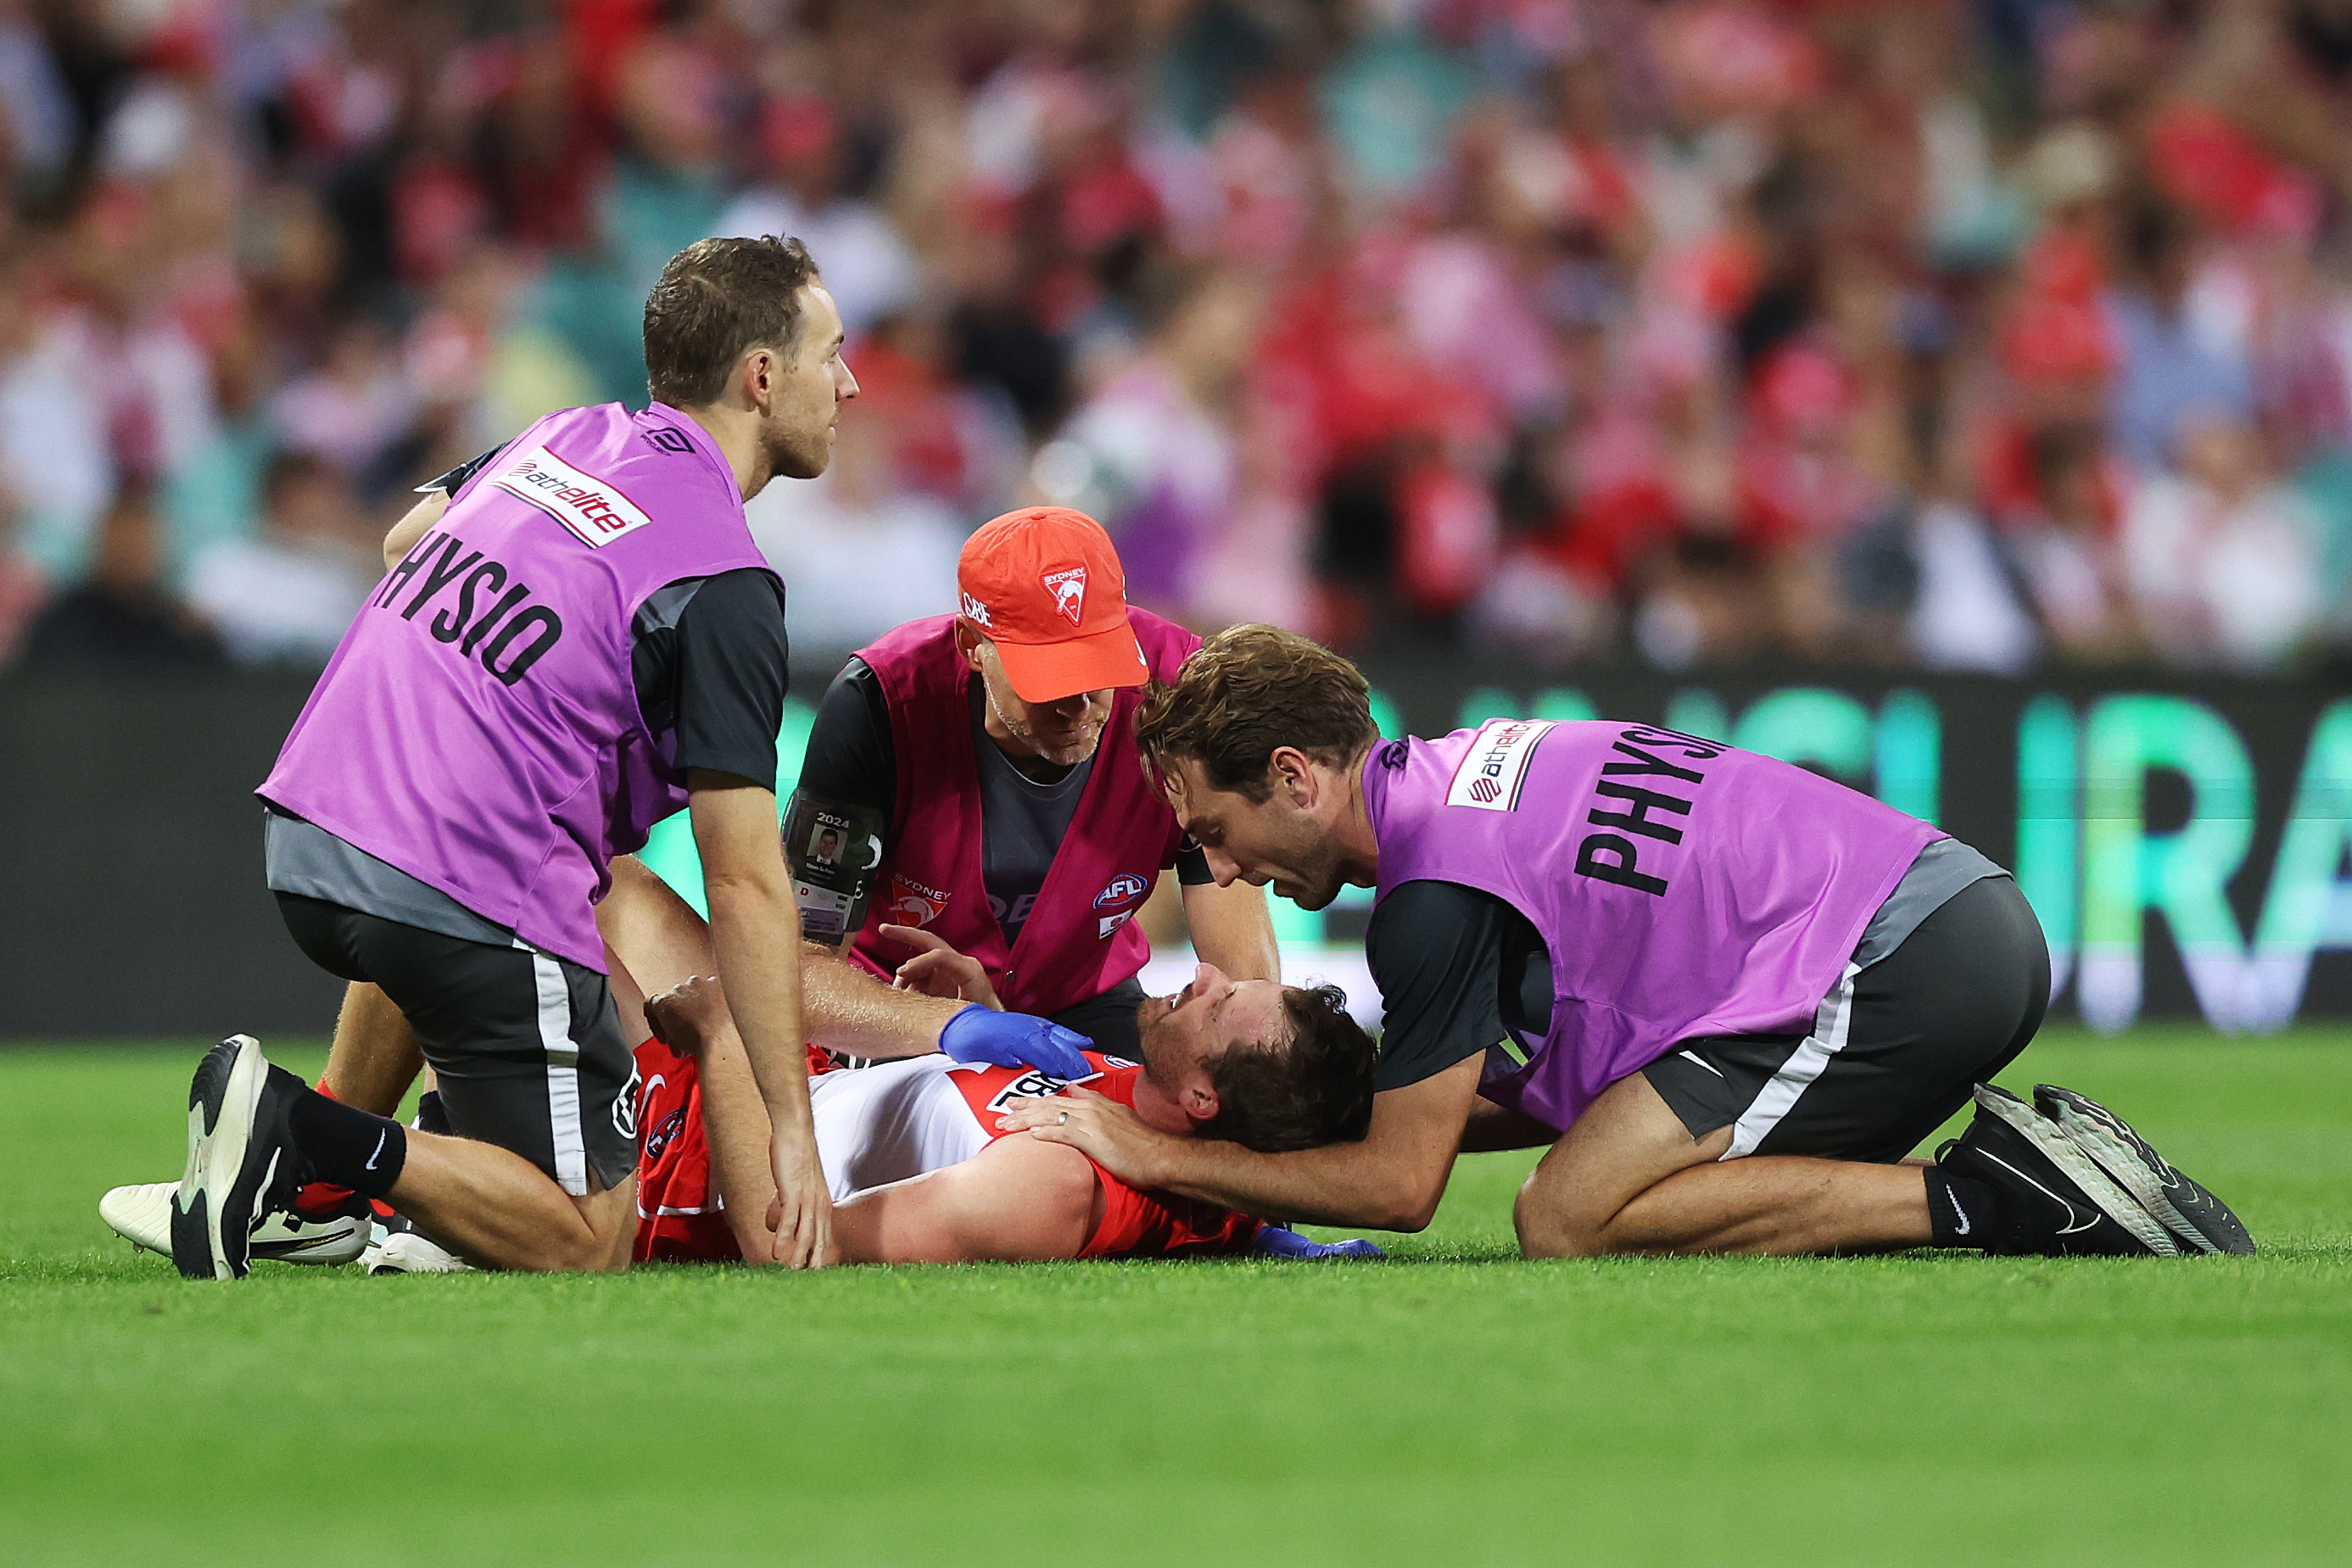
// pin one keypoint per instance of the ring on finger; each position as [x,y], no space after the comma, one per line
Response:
[1063,1120]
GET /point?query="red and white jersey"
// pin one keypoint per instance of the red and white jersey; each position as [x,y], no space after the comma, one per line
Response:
[885,1123]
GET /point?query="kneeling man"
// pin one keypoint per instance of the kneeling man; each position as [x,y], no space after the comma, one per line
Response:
[1731,994]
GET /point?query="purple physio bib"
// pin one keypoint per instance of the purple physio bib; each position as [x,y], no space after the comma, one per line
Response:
[1682,888]
[479,727]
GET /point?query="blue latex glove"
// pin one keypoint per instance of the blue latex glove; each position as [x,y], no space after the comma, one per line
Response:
[1280,1241]
[1015,1040]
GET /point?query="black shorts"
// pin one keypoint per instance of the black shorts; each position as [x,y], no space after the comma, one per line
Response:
[1894,1050]
[527,1046]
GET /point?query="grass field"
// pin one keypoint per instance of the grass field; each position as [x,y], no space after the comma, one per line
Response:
[1452,1406]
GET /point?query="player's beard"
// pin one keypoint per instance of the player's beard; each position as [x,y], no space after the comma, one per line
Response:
[1153,1042]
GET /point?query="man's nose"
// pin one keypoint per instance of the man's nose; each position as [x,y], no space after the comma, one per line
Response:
[844,384]
[1209,981]
[1221,866]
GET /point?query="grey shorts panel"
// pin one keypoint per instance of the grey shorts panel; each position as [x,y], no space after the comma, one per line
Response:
[1942,1013]
[525,1046]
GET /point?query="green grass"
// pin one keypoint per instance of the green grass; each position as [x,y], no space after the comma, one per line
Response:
[1453,1406]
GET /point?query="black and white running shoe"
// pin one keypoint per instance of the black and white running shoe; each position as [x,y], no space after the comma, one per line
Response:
[2050,1199]
[240,1158]
[142,1214]
[2203,1222]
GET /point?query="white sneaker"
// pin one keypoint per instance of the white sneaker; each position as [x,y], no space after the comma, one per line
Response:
[142,1214]
[409,1252]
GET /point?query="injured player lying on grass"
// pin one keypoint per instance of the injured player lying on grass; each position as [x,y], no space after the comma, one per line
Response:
[920,1173]
[909,1146]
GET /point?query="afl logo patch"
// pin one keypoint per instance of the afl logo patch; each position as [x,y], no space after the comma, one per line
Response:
[665,1132]
[1491,772]
[1122,890]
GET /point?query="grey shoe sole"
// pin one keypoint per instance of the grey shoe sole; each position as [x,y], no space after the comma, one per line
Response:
[2087,1122]
[2079,1169]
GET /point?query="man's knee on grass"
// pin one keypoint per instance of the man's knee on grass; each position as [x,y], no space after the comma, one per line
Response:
[1547,1229]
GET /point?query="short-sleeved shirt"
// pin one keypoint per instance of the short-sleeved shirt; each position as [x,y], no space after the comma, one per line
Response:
[710,662]
[1459,969]
[852,762]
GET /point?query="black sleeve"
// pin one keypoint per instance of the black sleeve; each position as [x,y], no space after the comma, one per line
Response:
[1192,865]
[850,760]
[455,480]
[724,667]
[1435,950]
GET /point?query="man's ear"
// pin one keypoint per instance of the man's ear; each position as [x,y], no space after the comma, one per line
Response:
[1292,771]
[758,377]
[967,641]
[1198,1099]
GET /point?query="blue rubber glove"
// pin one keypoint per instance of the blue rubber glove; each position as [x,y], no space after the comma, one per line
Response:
[1015,1040]
[1280,1241]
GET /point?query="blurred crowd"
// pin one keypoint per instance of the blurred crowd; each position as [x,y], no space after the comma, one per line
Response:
[1969,334]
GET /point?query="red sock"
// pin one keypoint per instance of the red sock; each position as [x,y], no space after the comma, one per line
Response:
[322,1199]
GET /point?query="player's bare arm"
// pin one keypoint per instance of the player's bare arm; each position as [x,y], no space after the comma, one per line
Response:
[692,1018]
[1392,1180]
[754,924]
[1016,1201]
[939,970]
[843,1007]
[1232,929]
[414,525]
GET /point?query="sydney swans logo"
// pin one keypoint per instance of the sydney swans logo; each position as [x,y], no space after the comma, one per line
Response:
[1069,590]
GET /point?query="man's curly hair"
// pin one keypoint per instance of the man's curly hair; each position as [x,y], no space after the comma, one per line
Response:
[1247,691]
[1312,1088]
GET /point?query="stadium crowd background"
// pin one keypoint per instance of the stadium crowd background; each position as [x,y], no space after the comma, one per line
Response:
[1967,334]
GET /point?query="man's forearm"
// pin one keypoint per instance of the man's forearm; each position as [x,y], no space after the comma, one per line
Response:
[1342,1183]
[735,1129]
[1390,1180]
[859,1014]
[755,933]
[414,525]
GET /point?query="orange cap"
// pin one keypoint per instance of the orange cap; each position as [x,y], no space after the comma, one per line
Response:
[1045,585]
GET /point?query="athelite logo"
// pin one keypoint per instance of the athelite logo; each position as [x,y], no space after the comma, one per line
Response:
[1492,771]
[594,511]
[1069,590]
[975,611]
[1116,904]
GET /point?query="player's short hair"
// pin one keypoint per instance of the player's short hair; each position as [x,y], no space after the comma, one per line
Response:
[1247,691]
[1314,1088]
[716,301]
